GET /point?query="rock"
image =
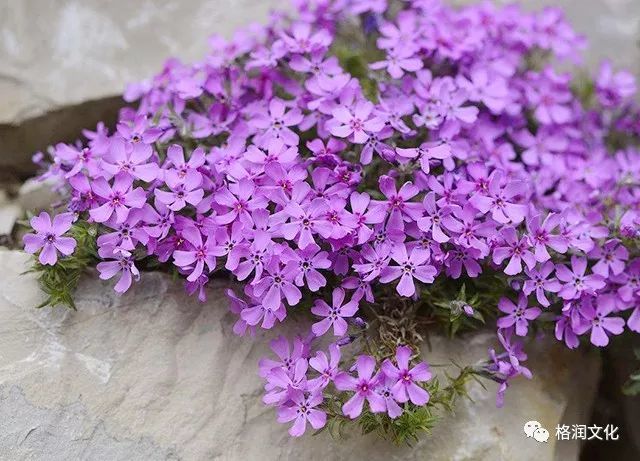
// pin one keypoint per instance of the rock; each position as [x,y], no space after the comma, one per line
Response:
[607,24]
[35,195]
[9,214]
[157,375]
[64,63]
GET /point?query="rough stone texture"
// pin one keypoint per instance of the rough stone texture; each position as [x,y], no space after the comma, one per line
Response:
[64,62]
[56,53]
[9,214]
[35,195]
[157,375]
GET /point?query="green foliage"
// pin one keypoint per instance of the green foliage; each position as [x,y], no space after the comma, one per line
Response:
[404,430]
[414,422]
[444,301]
[59,281]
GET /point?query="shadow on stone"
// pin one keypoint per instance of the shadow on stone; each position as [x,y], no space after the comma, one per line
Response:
[20,142]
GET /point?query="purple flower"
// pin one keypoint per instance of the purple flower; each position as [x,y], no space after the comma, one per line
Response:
[305,263]
[498,198]
[334,315]
[301,410]
[326,366]
[122,263]
[180,194]
[405,387]
[487,88]
[598,320]
[426,152]
[195,259]
[238,197]
[541,237]
[399,60]
[362,215]
[364,387]
[358,125]
[519,315]
[436,218]
[374,260]
[276,123]
[515,249]
[397,203]
[576,282]
[612,88]
[184,171]
[385,390]
[130,160]
[409,267]
[540,282]
[288,355]
[118,198]
[612,257]
[282,382]
[305,221]
[564,331]
[236,306]
[49,237]
[277,283]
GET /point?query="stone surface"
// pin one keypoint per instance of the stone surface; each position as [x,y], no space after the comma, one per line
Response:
[157,375]
[35,195]
[9,214]
[57,53]
[63,63]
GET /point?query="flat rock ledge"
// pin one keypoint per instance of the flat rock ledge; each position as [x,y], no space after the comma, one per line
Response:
[155,375]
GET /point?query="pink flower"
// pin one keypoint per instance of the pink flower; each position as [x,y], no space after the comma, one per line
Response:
[195,259]
[122,263]
[409,267]
[405,387]
[326,366]
[334,315]
[598,320]
[576,282]
[302,410]
[515,249]
[358,125]
[540,282]
[519,315]
[132,159]
[399,60]
[119,198]
[49,237]
[364,387]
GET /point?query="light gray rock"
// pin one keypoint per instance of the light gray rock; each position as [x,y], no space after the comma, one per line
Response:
[9,214]
[35,195]
[56,53]
[612,27]
[64,63]
[155,374]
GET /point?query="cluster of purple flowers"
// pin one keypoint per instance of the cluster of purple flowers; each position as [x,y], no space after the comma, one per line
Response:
[298,397]
[270,160]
